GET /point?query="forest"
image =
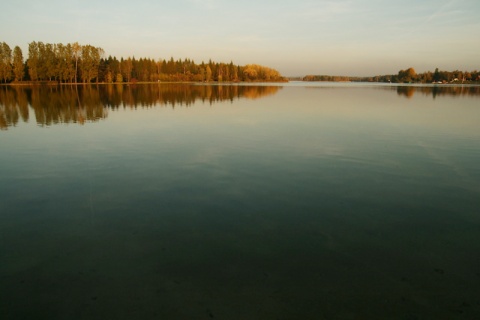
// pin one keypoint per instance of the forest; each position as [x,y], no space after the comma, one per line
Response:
[76,63]
[408,76]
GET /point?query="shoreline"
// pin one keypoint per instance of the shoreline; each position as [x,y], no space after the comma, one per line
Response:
[56,83]
[216,83]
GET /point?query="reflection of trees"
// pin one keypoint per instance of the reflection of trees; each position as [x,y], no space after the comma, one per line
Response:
[50,104]
[13,106]
[114,96]
[409,91]
[65,104]
[78,104]
[406,91]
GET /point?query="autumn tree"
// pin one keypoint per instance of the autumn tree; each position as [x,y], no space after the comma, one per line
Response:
[51,63]
[208,74]
[89,63]
[76,51]
[42,61]
[33,60]
[126,66]
[250,73]
[18,66]
[408,75]
[254,72]
[66,62]
[5,62]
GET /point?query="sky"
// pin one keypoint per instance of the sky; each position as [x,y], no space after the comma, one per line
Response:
[296,37]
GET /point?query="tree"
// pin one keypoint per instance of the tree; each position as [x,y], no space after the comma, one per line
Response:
[171,67]
[18,66]
[42,65]
[408,75]
[76,50]
[65,68]
[126,67]
[69,72]
[233,72]
[5,62]
[208,75]
[255,72]
[113,66]
[250,72]
[33,60]
[90,63]
[467,76]
[436,75]
[51,63]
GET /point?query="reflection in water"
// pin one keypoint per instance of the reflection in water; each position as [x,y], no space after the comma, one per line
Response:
[78,104]
[409,91]
[51,105]
[179,94]
[13,105]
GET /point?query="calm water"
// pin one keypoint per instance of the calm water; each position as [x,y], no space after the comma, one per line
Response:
[300,201]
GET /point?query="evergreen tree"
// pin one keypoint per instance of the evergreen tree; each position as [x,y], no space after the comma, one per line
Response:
[436,75]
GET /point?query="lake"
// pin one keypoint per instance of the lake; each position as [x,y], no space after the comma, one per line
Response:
[289,201]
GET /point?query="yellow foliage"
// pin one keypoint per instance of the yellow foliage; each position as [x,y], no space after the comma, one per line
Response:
[258,72]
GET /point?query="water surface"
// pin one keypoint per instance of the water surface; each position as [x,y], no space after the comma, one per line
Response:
[298,201]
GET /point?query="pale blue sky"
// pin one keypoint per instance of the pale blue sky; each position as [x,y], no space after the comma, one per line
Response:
[296,37]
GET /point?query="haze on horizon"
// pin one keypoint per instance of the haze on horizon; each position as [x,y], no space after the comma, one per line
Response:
[296,37]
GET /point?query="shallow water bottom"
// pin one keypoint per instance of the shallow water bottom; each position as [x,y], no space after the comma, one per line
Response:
[338,260]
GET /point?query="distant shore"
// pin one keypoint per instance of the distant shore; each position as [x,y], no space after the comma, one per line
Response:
[407,76]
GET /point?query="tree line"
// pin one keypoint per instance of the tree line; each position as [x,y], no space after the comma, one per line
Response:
[76,63]
[408,76]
